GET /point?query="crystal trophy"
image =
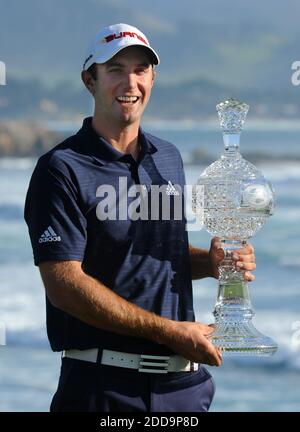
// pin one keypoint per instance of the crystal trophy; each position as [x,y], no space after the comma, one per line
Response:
[233,200]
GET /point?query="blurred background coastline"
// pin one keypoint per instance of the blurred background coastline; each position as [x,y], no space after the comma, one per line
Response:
[209,51]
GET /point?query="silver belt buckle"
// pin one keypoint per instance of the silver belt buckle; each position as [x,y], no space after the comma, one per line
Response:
[159,364]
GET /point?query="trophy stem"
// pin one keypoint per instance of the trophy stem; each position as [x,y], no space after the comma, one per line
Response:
[231,142]
[235,333]
[233,292]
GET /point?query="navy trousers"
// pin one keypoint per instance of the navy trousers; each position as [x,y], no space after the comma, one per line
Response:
[90,387]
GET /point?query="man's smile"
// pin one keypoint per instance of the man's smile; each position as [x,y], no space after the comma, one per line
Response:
[127,99]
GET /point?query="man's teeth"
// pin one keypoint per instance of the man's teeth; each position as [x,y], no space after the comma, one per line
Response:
[127,98]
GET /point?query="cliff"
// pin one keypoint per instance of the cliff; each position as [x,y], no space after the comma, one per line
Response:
[20,138]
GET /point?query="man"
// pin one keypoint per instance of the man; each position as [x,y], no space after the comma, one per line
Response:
[118,288]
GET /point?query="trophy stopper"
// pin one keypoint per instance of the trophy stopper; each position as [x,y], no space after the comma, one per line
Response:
[232,114]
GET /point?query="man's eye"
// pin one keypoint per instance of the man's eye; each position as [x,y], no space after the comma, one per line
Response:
[142,71]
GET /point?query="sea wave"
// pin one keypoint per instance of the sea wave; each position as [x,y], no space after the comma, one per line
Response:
[10,212]
[290,262]
[17,163]
[287,356]
[279,171]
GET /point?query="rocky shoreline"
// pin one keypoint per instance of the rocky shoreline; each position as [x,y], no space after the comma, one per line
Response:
[24,139]
[32,139]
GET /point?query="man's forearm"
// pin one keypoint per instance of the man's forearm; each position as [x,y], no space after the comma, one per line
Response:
[200,263]
[92,302]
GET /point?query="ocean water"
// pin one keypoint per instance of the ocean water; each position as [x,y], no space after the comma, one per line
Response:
[29,370]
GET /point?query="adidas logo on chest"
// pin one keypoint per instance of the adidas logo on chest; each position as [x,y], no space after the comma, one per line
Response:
[170,190]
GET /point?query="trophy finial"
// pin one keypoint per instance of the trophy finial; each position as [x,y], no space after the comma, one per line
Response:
[232,114]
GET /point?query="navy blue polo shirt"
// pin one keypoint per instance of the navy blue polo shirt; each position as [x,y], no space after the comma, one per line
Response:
[144,259]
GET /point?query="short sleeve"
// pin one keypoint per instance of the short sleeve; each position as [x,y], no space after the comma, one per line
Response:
[57,226]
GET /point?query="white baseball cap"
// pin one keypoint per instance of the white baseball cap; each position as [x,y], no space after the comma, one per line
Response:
[112,39]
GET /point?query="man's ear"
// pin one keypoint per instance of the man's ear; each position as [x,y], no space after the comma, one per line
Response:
[88,81]
[153,75]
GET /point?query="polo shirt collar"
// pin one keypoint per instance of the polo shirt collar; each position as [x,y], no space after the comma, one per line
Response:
[93,144]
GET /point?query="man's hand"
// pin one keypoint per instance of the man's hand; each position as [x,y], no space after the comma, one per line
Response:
[244,259]
[191,340]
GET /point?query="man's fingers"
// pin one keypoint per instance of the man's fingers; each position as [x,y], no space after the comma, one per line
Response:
[219,351]
[216,245]
[211,355]
[214,356]
[210,332]
[246,258]
[249,276]
[245,266]
[246,250]
[216,242]
[210,328]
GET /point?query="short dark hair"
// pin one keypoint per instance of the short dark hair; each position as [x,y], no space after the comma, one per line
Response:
[93,71]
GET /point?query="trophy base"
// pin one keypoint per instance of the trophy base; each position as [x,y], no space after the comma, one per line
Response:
[242,339]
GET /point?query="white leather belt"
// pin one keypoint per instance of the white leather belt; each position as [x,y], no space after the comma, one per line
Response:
[141,362]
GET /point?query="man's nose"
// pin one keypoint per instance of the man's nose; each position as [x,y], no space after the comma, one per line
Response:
[130,80]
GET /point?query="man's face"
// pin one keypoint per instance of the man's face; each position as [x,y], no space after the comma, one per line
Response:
[123,86]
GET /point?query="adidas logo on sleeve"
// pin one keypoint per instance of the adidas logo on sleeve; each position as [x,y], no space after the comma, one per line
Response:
[49,235]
